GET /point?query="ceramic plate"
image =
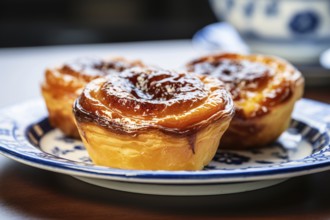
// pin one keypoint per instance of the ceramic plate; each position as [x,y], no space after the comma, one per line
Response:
[26,136]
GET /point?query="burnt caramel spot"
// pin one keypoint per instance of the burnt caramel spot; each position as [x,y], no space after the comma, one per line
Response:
[91,68]
[192,142]
[152,92]
[69,79]
[237,75]
[140,99]
[247,79]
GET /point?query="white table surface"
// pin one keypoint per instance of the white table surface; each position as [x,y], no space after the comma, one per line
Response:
[22,69]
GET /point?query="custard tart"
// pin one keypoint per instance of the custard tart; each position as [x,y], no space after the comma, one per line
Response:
[62,85]
[153,119]
[264,90]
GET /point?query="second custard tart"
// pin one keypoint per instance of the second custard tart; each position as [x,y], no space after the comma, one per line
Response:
[264,90]
[62,85]
[152,119]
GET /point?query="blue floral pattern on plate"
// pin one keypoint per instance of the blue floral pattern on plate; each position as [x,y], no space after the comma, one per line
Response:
[26,136]
[304,22]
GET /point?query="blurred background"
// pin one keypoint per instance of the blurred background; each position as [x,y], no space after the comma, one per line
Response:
[298,30]
[59,22]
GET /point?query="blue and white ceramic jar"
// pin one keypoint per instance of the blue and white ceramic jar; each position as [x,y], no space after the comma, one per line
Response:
[298,30]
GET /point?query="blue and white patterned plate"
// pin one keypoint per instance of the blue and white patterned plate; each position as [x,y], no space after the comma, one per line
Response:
[26,136]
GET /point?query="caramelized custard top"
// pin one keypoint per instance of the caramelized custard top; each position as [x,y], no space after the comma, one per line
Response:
[91,68]
[73,76]
[143,98]
[256,83]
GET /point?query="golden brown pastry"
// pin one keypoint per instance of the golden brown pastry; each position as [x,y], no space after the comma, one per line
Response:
[264,90]
[62,85]
[152,119]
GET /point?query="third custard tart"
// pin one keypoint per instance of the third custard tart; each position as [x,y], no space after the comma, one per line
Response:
[63,84]
[152,119]
[264,90]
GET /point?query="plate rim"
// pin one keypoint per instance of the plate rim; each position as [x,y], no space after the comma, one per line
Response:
[160,177]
